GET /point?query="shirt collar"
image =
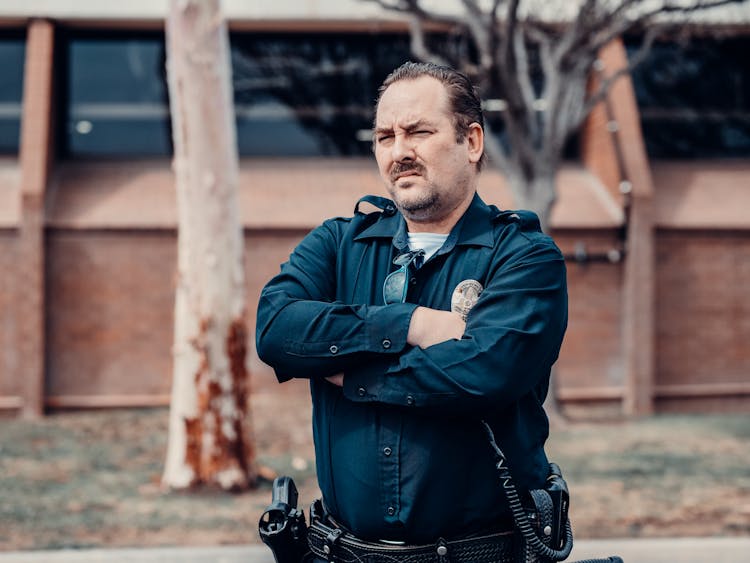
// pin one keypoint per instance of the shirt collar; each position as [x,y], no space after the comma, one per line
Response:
[473,228]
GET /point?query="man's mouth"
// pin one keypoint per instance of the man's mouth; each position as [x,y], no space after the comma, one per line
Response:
[401,172]
[406,174]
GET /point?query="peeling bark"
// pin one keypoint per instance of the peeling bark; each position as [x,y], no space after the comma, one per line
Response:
[218,446]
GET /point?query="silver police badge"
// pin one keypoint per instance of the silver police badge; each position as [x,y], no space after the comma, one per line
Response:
[465,296]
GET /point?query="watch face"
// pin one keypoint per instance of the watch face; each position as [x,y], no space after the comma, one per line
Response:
[465,296]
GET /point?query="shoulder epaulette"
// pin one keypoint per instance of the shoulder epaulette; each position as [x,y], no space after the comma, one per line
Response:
[384,204]
[527,220]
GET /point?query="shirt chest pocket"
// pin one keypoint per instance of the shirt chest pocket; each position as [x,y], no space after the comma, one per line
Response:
[361,271]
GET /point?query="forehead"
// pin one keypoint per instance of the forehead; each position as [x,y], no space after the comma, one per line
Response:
[410,100]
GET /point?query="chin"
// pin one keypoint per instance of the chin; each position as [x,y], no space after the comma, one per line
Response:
[417,206]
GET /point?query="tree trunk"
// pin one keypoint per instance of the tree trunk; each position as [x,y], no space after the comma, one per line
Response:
[209,434]
[536,194]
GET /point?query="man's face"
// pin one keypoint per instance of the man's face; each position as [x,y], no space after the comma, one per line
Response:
[427,173]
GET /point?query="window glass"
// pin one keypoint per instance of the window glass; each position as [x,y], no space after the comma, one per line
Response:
[12,53]
[694,98]
[310,94]
[116,96]
[295,94]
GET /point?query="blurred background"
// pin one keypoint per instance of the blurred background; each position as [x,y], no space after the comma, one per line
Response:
[652,215]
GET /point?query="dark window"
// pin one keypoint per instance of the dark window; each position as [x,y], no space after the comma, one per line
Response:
[310,94]
[694,98]
[12,52]
[295,94]
[116,100]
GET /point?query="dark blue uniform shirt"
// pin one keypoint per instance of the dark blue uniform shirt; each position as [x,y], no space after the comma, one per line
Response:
[400,450]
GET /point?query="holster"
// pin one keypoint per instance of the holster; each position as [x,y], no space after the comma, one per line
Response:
[548,511]
[282,526]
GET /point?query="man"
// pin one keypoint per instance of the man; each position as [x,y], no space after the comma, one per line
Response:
[414,323]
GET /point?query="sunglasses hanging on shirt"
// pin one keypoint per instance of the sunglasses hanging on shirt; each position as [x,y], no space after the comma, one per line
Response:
[396,284]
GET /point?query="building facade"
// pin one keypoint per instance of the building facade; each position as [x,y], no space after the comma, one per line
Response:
[652,212]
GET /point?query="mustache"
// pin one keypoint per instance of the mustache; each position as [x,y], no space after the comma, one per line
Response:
[400,167]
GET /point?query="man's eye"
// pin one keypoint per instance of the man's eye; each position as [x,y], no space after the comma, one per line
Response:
[422,132]
[384,138]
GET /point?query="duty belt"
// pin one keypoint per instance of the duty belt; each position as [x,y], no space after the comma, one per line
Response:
[336,545]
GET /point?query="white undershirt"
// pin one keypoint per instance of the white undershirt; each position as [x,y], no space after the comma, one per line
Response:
[429,242]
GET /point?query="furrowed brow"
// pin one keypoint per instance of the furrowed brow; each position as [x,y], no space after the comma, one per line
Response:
[417,125]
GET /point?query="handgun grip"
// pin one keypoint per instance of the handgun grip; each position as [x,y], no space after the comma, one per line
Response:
[284,494]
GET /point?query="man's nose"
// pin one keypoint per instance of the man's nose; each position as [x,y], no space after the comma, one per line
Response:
[402,149]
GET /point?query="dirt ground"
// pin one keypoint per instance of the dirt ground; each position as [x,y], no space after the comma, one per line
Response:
[91,479]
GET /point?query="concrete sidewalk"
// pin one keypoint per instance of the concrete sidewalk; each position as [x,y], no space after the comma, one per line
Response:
[677,550]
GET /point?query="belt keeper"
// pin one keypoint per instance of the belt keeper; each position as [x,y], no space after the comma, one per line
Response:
[331,540]
[442,551]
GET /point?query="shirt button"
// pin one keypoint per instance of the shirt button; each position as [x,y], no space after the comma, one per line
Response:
[391,511]
[333,349]
[410,401]
[387,450]
[413,281]
[361,391]
[386,343]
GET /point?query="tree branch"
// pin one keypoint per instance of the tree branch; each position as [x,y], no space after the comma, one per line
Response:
[701,5]
[495,149]
[511,20]
[413,7]
[611,27]
[493,11]
[572,36]
[518,115]
[479,26]
[523,77]
[418,44]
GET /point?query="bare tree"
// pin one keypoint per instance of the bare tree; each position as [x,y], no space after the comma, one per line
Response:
[534,58]
[209,437]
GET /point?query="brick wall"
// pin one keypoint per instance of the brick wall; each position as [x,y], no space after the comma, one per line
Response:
[8,358]
[110,297]
[703,308]
[110,301]
[590,374]
[592,352]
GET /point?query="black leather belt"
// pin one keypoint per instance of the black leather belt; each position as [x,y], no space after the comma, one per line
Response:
[335,545]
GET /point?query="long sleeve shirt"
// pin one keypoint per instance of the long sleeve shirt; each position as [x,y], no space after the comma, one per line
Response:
[400,452]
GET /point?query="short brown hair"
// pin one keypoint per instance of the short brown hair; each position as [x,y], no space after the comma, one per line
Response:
[462,95]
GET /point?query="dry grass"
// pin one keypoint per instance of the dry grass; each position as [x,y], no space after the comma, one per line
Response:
[92,478]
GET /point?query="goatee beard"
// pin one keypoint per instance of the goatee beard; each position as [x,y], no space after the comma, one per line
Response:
[427,202]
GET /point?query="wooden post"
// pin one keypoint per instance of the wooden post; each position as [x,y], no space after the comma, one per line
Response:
[36,155]
[639,284]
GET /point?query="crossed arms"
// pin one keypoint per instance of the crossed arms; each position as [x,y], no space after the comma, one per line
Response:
[414,356]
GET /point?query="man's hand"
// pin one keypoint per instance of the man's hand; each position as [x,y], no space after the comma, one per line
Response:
[337,379]
[431,326]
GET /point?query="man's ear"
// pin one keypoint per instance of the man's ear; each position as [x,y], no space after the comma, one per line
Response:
[475,140]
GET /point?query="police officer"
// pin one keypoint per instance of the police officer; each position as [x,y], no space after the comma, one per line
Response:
[413,323]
